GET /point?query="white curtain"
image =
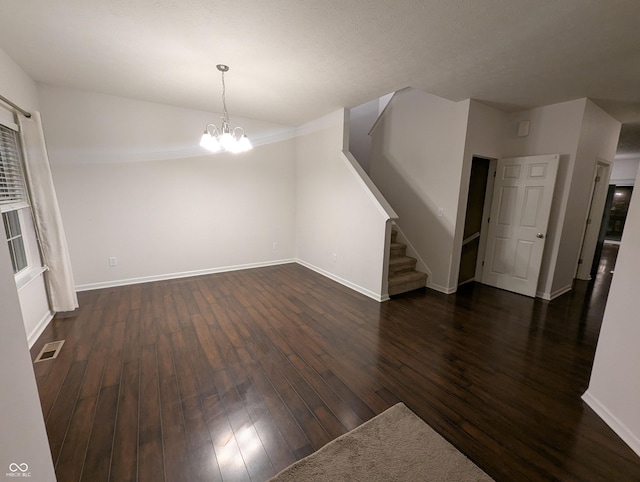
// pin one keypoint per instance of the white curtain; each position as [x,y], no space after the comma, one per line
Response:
[59,279]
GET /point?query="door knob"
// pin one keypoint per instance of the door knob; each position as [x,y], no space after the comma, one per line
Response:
[539,235]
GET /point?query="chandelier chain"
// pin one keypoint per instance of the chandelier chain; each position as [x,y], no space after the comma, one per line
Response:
[224,100]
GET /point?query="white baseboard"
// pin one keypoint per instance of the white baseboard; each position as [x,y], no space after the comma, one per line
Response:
[616,425]
[555,294]
[442,289]
[184,274]
[37,331]
[348,284]
[187,274]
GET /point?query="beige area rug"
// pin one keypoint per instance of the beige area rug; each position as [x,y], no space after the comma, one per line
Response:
[393,446]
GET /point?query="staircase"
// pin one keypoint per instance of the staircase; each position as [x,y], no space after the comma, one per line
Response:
[403,276]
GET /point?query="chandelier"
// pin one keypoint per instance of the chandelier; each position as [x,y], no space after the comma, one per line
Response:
[224,138]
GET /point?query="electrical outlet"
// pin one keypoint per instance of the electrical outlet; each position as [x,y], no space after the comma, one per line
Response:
[440,212]
[113,261]
[275,246]
[334,257]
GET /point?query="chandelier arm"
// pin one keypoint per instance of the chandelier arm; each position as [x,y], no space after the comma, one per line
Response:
[214,131]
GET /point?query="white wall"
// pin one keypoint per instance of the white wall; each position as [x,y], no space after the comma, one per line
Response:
[23,438]
[134,184]
[417,158]
[624,172]
[614,389]
[361,119]
[340,228]
[485,128]
[16,85]
[598,140]
[554,129]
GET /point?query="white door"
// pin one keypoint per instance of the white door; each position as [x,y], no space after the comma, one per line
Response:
[518,224]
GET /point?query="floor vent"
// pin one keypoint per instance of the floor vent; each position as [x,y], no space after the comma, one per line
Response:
[49,351]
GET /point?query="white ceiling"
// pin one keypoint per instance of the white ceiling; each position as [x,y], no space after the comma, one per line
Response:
[294,60]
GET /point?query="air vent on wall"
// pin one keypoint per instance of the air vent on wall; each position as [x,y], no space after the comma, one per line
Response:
[49,351]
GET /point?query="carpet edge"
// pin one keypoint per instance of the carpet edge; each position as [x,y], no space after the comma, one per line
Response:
[292,467]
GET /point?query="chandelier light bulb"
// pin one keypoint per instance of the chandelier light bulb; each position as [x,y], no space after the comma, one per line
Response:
[227,142]
[245,144]
[209,142]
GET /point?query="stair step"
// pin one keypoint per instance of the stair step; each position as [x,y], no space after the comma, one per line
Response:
[409,281]
[403,276]
[401,264]
[398,249]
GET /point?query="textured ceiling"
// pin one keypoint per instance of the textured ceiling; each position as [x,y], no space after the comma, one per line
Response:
[295,60]
[629,142]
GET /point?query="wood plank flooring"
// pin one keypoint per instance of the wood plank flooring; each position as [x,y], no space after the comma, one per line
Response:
[234,376]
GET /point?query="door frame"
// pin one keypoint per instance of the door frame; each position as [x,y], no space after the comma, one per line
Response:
[593,218]
[487,188]
[486,214]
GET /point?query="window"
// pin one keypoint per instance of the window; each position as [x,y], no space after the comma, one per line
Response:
[13,231]
[13,197]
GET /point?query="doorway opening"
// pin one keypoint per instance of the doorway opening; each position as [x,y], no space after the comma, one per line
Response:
[473,222]
[612,226]
[594,222]
[618,212]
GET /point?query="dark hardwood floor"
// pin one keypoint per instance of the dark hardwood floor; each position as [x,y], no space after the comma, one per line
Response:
[234,376]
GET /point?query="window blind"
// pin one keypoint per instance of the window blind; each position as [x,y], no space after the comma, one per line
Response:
[13,191]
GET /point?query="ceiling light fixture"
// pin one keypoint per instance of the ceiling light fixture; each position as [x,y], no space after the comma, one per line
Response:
[225,139]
